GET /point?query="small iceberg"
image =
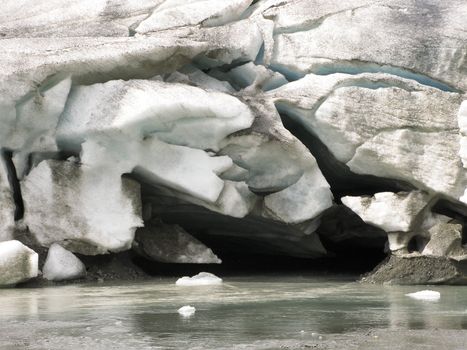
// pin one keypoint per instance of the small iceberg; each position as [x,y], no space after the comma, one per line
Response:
[201,279]
[430,295]
[187,310]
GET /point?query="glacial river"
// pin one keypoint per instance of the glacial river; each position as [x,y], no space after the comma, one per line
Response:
[260,312]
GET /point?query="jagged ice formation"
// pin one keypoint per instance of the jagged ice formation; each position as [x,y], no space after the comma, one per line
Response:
[274,124]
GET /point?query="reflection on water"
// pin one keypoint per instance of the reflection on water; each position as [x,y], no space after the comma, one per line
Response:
[243,311]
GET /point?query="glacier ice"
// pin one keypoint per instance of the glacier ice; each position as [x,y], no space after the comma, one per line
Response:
[36,121]
[280,166]
[78,208]
[68,18]
[238,120]
[445,240]
[251,76]
[98,59]
[62,264]
[396,141]
[187,310]
[176,13]
[428,295]
[190,74]
[411,226]
[389,211]
[18,263]
[343,36]
[175,113]
[201,279]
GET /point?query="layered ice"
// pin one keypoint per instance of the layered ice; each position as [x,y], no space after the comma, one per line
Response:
[412,134]
[341,36]
[143,107]
[158,130]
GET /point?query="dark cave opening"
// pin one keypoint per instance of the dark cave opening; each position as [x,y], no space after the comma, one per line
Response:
[416,244]
[7,157]
[245,257]
[257,246]
[353,265]
[412,246]
[254,245]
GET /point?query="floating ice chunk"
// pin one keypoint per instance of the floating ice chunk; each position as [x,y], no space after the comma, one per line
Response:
[430,295]
[187,311]
[201,279]
[18,263]
[62,264]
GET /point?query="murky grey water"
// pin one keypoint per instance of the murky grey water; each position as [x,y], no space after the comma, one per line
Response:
[251,313]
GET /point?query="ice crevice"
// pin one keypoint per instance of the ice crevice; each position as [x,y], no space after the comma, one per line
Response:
[327,113]
[342,180]
[356,67]
[6,157]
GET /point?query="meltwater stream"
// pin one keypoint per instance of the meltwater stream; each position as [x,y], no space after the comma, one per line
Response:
[260,312]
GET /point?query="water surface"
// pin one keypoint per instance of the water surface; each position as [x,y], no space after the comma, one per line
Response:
[260,312]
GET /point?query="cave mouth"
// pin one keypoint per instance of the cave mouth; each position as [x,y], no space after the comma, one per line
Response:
[346,260]
[254,245]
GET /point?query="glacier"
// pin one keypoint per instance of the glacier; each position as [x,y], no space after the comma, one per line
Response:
[287,127]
